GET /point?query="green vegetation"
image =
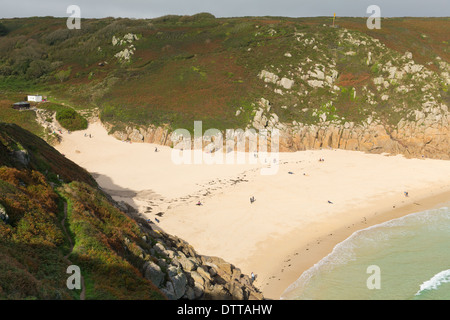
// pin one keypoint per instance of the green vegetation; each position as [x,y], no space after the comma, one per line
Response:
[31,263]
[3,30]
[110,267]
[32,240]
[66,116]
[61,75]
[185,68]
[71,120]
[26,118]
[171,71]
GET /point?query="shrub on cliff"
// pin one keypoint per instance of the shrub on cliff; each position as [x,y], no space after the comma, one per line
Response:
[3,30]
[71,120]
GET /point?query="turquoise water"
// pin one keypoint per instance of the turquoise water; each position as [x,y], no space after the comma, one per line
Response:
[406,259]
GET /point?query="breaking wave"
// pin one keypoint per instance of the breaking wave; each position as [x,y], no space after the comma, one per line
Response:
[387,240]
[434,283]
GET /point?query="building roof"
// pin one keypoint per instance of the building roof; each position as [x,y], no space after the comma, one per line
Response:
[21,104]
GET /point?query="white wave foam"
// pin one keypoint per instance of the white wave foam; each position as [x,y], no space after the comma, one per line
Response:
[435,281]
[343,252]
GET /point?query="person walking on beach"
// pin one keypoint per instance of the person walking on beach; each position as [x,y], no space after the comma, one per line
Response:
[253,277]
[252,199]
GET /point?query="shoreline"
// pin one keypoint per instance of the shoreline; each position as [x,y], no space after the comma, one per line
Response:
[290,227]
[300,258]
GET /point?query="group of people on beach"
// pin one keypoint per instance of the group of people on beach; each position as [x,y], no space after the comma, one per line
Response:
[252,199]
[88,135]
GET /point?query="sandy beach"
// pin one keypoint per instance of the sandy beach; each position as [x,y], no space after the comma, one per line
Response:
[298,216]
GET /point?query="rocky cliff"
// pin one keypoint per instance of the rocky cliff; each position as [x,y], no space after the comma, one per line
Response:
[428,135]
[181,273]
[350,87]
[52,210]
[361,96]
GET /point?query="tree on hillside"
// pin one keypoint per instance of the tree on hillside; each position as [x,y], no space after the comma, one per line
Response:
[63,75]
[38,68]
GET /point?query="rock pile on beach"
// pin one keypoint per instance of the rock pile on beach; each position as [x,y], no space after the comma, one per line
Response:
[180,272]
[152,134]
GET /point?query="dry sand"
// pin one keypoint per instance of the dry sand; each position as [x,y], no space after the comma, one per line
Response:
[290,226]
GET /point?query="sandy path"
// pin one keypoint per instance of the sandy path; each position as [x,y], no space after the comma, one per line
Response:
[291,211]
[66,257]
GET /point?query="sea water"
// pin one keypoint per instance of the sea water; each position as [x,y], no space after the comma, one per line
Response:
[406,259]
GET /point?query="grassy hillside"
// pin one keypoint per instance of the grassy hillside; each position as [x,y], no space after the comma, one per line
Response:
[176,69]
[53,215]
[36,184]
